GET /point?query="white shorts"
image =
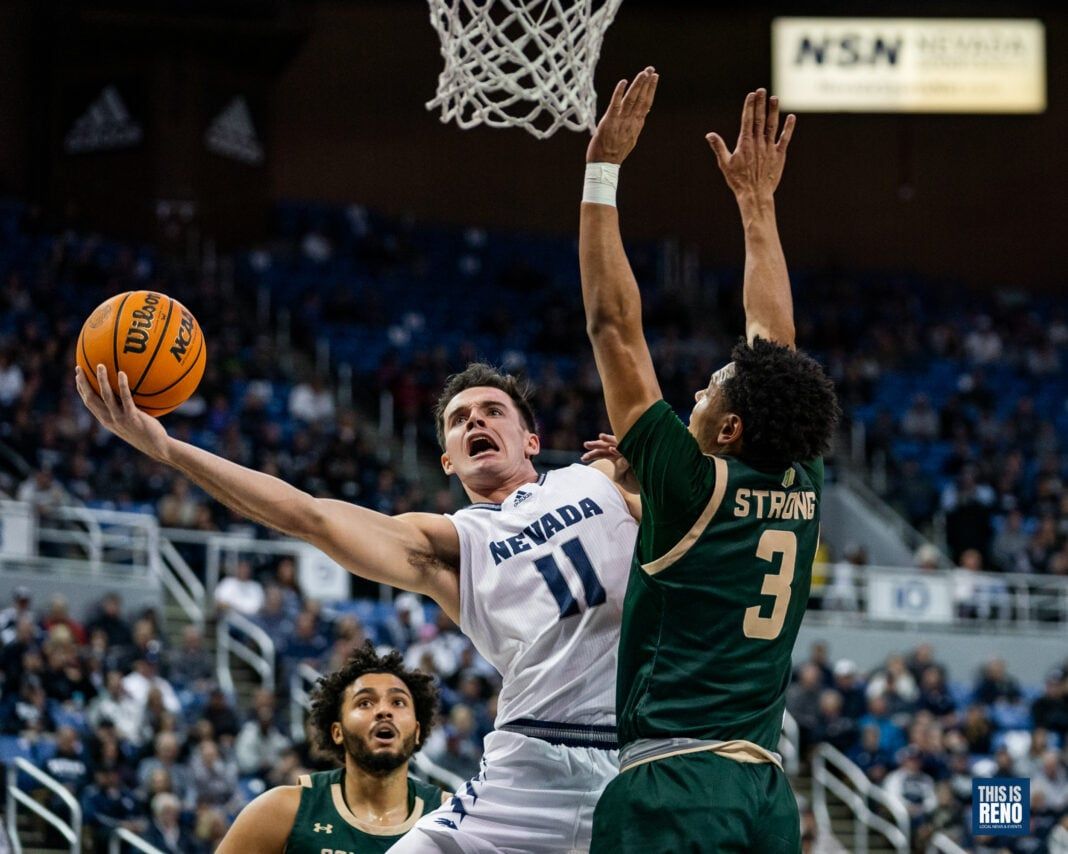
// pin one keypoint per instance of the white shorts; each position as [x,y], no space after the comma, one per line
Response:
[531,797]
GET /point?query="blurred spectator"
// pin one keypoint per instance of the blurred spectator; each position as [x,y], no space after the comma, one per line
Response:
[311,401]
[920,420]
[179,508]
[307,643]
[935,697]
[107,805]
[59,615]
[402,627]
[1010,543]
[144,679]
[891,739]
[833,727]
[166,749]
[803,701]
[68,764]
[995,684]
[969,509]
[1052,781]
[110,621]
[285,577]
[1050,711]
[854,703]
[979,597]
[977,729]
[23,639]
[273,617]
[42,491]
[190,666]
[1030,764]
[114,705]
[240,591]
[869,755]
[894,680]
[912,786]
[260,744]
[165,831]
[26,712]
[20,607]
[215,777]
[220,714]
[841,594]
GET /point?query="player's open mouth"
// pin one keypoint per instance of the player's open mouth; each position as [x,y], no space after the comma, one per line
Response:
[384,733]
[481,445]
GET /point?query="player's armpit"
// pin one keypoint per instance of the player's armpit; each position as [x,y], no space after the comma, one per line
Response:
[419,552]
[627,484]
[265,824]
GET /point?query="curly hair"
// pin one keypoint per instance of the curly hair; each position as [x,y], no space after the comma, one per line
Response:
[483,374]
[330,692]
[786,402]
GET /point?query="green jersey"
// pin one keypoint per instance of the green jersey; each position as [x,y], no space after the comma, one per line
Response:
[718,586]
[325,825]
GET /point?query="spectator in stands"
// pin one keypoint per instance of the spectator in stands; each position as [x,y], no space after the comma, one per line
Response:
[921,658]
[311,402]
[221,715]
[107,805]
[979,597]
[307,643]
[891,739]
[803,702]
[69,763]
[166,749]
[189,665]
[1052,781]
[165,832]
[274,618]
[42,491]
[214,778]
[110,621]
[64,679]
[935,697]
[402,627]
[260,744]
[59,615]
[240,591]
[20,607]
[285,577]
[969,508]
[869,756]
[1030,764]
[179,508]
[143,680]
[895,682]
[977,729]
[348,637]
[920,420]
[1050,711]
[833,727]
[114,705]
[995,685]
[914,788]
[1010,543]
[26,712]
[24,639]
[460,754]
[841,593]
[846,683]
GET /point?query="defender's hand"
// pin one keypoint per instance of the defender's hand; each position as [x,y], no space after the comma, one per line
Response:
[622,122]
[606,447]
[754,168]
[120,415]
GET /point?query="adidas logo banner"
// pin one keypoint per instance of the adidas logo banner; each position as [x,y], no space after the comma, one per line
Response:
[233,135]
[104,126]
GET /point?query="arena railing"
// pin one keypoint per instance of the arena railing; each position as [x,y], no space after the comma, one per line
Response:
[789,745]
[959,598]
[71,831]
[133,840]
[942,844]
[236,634]
[834,773]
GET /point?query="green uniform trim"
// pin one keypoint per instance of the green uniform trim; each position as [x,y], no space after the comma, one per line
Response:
[324,821]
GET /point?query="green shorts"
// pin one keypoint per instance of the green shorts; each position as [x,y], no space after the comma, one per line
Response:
[697,803]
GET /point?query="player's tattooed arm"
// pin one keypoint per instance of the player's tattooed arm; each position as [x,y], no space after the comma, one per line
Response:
[753,171]
[609,291]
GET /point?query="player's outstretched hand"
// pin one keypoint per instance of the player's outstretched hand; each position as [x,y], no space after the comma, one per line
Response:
[755,166]
[622,122]
[120,415]
[606,447]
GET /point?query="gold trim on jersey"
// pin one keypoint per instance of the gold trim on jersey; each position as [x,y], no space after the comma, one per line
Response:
[737,750]
[375,829]
[694,534]
[305,780]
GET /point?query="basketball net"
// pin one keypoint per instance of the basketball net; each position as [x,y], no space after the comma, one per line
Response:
[520,63]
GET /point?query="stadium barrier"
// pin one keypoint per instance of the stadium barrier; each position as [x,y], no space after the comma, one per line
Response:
[942,844]
[236,634]
[834,773]
[71,830]
[133,840]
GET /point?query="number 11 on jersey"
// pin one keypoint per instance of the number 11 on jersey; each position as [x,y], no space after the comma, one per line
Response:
[591,584]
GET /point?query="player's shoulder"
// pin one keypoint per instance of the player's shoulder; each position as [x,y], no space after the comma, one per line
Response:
[266,822]
[431,795]
[319,779]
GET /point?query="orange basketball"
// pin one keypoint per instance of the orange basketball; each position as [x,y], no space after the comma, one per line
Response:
[154,339]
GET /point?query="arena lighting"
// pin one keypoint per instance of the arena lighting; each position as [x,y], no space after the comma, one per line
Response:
[909,65]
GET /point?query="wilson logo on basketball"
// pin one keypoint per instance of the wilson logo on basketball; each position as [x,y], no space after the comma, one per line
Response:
[141,325]
[184,336]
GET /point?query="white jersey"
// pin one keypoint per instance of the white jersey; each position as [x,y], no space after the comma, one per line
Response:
[542,579]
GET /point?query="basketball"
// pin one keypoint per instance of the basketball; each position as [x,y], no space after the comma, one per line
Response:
[154,339]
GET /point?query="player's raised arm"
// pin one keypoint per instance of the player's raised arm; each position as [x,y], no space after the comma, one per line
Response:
[414,551]
[609,291]
[753,171]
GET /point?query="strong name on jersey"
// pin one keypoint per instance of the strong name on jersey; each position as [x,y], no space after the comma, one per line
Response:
[718,589]
[325,825]
[542,576]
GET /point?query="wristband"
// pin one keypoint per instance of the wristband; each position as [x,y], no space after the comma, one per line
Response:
[600,185]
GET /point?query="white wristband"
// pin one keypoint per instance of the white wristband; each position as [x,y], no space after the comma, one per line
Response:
[601,181]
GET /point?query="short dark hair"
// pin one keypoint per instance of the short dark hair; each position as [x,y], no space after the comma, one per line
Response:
[787,404]
[328,695]
[483,374]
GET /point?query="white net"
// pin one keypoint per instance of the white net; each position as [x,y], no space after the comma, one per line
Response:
[526,63]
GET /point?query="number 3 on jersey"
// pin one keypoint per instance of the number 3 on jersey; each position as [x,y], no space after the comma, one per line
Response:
[558,586]
[776,584]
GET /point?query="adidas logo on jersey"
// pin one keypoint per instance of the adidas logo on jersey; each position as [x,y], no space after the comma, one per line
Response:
[520,497]
[323,828]
[233,135]
[106,124]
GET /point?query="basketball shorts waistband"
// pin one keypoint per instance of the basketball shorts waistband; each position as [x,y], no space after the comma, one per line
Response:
[565,735]
[644,750]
